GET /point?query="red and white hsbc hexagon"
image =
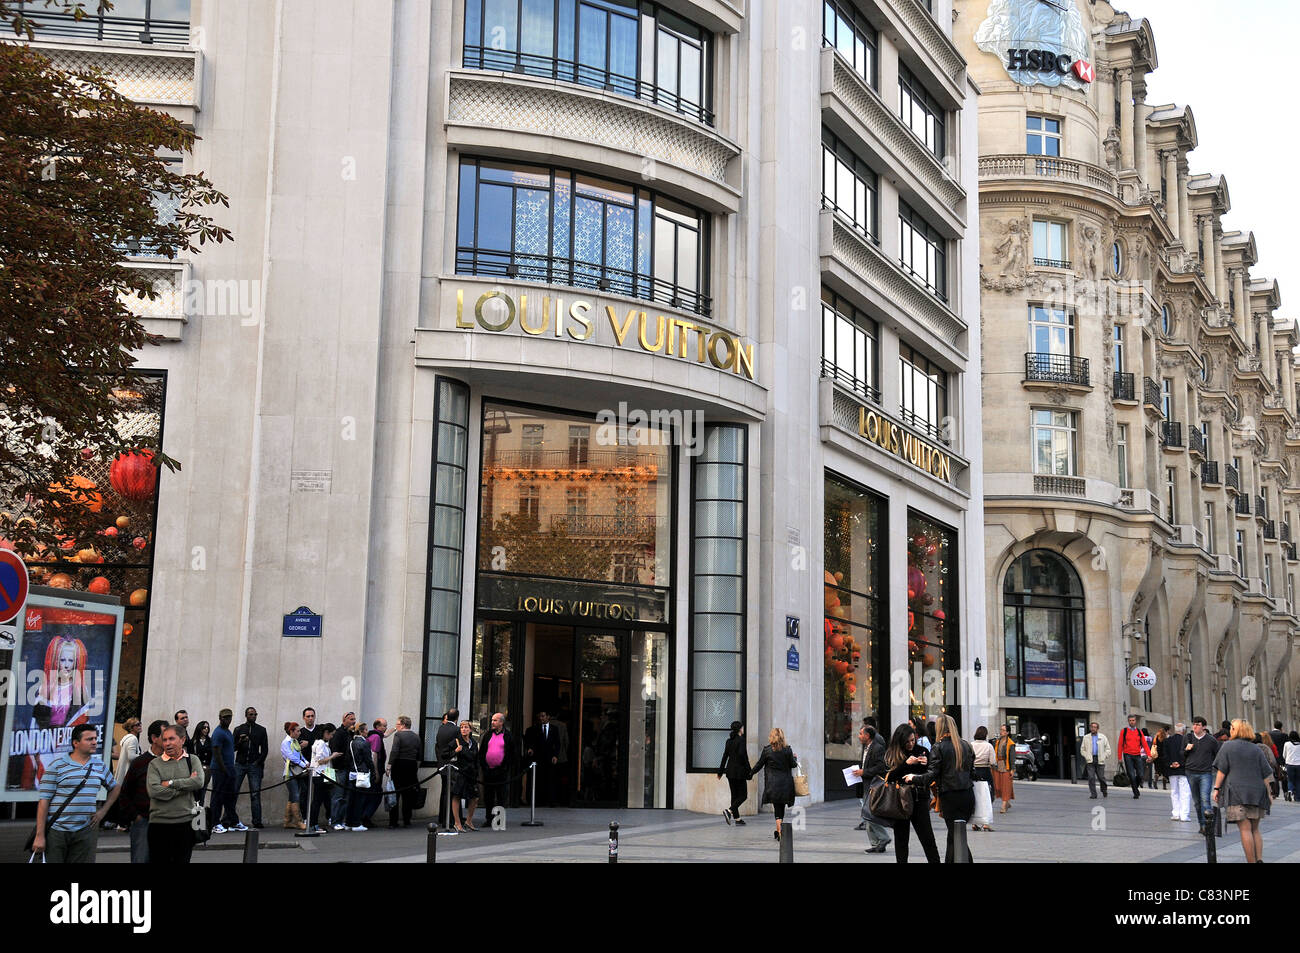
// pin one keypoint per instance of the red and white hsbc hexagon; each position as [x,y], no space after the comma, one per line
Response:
[1083,69]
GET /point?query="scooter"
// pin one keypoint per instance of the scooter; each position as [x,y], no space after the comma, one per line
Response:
[1029,758]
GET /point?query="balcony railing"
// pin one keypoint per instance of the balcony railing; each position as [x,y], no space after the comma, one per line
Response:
[919,423]
[1150,393]
[1270,529]
[1243,505]
[534,64]
[1286,532]
[575,458]
[1122,386]
[1051,263]
[606,526]
[107,26]
[1210,473]
[1049,167]
[1290,551]
[1056,368]
[1261,508]
[1231,477]
[1059,485]
[1195,441]
[1171,433]
[552,269]
[831,371]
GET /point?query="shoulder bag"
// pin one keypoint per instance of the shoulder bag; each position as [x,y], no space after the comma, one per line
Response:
[361,779]
[890,800]
[49,821]
[801,788]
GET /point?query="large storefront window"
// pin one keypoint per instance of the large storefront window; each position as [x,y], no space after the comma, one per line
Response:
[533,223]
[1042,615]
[933,658]
[853,625]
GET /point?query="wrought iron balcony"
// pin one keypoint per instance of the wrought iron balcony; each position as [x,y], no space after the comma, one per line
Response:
[1122,388]
[1286,532]
[578,459]
[1171,433]
[606,525]
[1195,441]
[1051,263]
[1150,393]
[1290,551]
[107,26]
[1270,529]
[1210,473]
[1231,477]
[1243,505]
[1056,368]
[849,381]
[1261,508]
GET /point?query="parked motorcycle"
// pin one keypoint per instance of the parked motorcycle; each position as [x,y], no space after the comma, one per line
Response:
[1030,757]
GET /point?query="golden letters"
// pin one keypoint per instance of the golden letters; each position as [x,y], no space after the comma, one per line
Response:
[892,438]
[655,334]
[575,607]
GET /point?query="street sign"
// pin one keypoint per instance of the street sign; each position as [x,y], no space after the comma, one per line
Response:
[302,623]
[1142,678]
[13,584]
[792,626]
[792,659]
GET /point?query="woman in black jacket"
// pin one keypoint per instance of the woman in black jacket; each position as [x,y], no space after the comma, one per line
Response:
[735,765]
[777,762]
[953,760]
[910,765]
[201,748]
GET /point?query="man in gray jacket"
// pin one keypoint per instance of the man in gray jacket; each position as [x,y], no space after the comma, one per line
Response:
[873,766]
[1094,749]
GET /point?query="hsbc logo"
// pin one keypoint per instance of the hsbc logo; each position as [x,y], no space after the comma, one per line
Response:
[1046,61]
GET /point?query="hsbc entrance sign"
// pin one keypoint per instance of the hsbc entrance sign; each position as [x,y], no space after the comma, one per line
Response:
[1040,42]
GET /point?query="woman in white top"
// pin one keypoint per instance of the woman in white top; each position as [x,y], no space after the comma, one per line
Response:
[322,775]
[1291,760]
[983,775]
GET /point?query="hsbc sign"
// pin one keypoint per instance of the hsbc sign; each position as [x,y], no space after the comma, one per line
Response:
[1039,42]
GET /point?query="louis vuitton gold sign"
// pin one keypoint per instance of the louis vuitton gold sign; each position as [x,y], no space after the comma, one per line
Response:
[892,438]
[546,314]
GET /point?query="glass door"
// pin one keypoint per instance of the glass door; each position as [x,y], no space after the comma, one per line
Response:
[493,684]
[600,717]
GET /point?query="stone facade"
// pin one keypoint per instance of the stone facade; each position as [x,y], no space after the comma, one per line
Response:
[1168,383]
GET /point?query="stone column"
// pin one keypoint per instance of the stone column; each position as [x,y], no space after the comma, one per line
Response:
[1220,273]
[1189,237]
[1266,344]
[1173,215]
[1141,161]
[1207,255]
[1288,382]
[1239,297]
[1126,117]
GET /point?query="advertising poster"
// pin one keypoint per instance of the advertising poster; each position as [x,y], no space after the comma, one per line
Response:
[64,674]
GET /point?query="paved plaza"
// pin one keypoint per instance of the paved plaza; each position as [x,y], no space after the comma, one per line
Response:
[1050,822]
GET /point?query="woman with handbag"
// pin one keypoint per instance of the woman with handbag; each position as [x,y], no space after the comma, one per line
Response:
[361,776]
[953,761]
[777,763]
[1004,764]
[908,780]
[983,776]
[173,779]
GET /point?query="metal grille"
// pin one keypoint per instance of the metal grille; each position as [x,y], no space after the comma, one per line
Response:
[842,377]
[138,76]
[1150,393]
[1210,472]
[1123,387]
[1195,441]
[1051,263]
[1261,510]
[1243,505]
[1231,478]
[520,106]
[1171,433]
[170,303]
[844,412]
[1056,368]
[1270,529]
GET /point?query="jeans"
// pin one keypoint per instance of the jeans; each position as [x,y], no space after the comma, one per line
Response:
[254,774]
[1202,784]
[1135,767]
[877,833]
[340,799]
[223,800]
[139,834]
[71,847]
[291,786]
[1293,780]
[356,804]
[1095,771]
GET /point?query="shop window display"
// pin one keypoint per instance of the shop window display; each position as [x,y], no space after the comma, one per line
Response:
[932,632]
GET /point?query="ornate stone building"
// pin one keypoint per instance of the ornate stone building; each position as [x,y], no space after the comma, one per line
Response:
[1141,446]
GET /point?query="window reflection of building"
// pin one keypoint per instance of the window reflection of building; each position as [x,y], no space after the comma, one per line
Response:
[1042,601]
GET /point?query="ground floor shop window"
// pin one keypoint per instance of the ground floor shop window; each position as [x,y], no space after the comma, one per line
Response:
[933,656]
[855,682]
[1042,617]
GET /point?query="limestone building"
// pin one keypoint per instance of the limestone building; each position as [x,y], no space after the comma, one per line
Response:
[1142,459]
[608,357]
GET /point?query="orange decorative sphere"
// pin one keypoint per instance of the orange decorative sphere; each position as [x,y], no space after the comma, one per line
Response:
[134,475]
[139,597]
[123,522]
[127,628]
[79,490]
[60,580]
[99,584]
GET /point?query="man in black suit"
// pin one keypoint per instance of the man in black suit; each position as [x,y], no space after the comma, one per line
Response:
[542,744]
[250,760]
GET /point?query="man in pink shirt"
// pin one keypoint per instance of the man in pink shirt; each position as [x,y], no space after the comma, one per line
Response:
[498,754]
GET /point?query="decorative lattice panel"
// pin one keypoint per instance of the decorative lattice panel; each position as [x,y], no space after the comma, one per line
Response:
[170,301]
[141,77]
[560,112]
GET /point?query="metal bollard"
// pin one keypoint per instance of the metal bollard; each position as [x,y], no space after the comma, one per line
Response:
[431,844]
[1211,849]
[613,842]
[250,846]
[532,812]
[960,849]
[1218,821]
[786,849]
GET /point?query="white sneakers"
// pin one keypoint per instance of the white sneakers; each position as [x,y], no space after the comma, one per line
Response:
[340,827]
[218,829]
[240,827]
[357,828]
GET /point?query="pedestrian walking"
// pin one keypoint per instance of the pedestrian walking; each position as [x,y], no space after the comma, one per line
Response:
[1291,762]
[1004,766]
[874,769]
[323,780]
[1180,792]
[464,782]
[499,756]
[251,748]
[777,762]
[133,803]
[68,832]
[907,764]
[1094,749]
[985,756]
[295,775]
[403,766]
[200,745]
[953,766]
[1199,751]
[174,777]
[225,817]
[734,766]
[1158,758]
[1265,744]
[1134,753]
[1241,786]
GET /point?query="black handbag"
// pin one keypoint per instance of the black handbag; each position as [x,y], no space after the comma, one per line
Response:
[891,800]
[49,821]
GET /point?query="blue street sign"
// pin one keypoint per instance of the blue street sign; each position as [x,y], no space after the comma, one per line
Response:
[792,659]
[792,626]
[302,623]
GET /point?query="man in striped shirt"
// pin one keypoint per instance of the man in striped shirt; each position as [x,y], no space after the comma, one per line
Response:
[72,836]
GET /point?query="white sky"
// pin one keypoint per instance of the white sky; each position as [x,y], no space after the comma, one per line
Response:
[1237,65]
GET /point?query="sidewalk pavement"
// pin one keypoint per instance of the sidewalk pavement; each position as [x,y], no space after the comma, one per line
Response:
[1049,822]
